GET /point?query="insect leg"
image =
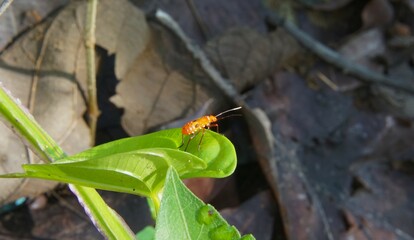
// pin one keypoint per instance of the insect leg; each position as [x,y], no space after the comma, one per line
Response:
[201,139]
[182,141]
[215,125]
[191,137]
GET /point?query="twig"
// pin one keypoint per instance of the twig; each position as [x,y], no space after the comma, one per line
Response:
[223,84]
[327,81]
[4,5]
[334,58]
[93,109]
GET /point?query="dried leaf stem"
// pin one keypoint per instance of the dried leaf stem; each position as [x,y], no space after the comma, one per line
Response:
[336,59]
[4,5]
[93,109]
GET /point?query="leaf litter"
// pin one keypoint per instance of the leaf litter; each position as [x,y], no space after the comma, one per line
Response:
[322,149]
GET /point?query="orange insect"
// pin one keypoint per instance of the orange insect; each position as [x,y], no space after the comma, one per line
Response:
[192,128]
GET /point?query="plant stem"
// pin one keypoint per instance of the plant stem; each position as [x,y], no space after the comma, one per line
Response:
[18,118]
[93,109]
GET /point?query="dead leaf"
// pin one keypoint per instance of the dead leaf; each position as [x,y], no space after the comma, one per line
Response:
[122,29]
[51,82]
[156,89]
[247,57]
[203,20]
[49,62]
[23,14]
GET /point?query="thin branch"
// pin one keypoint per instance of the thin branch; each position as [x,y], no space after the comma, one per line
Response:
[4,5]
[93,109]
[336,59]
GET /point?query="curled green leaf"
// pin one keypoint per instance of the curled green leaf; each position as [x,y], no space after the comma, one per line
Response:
[138,165]
[217,152]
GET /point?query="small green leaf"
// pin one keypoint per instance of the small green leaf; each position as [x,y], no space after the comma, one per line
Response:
[183,216]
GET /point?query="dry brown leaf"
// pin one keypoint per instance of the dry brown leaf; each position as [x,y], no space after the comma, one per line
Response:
[163,84]
[247,57]
[121,29]
[22,14]
[48,61]
[57,103]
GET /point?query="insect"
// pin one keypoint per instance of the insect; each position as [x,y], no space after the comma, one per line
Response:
[192,128]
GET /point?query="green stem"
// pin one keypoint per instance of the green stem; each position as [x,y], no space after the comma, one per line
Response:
[22,122]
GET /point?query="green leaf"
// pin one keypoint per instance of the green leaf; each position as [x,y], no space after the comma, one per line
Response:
[138,165]
[139,172]
[148,233]
[170,138]
[183,216]
[215,150]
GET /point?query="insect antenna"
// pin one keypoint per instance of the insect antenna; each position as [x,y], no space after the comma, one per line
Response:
[231,115]
[230,110]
